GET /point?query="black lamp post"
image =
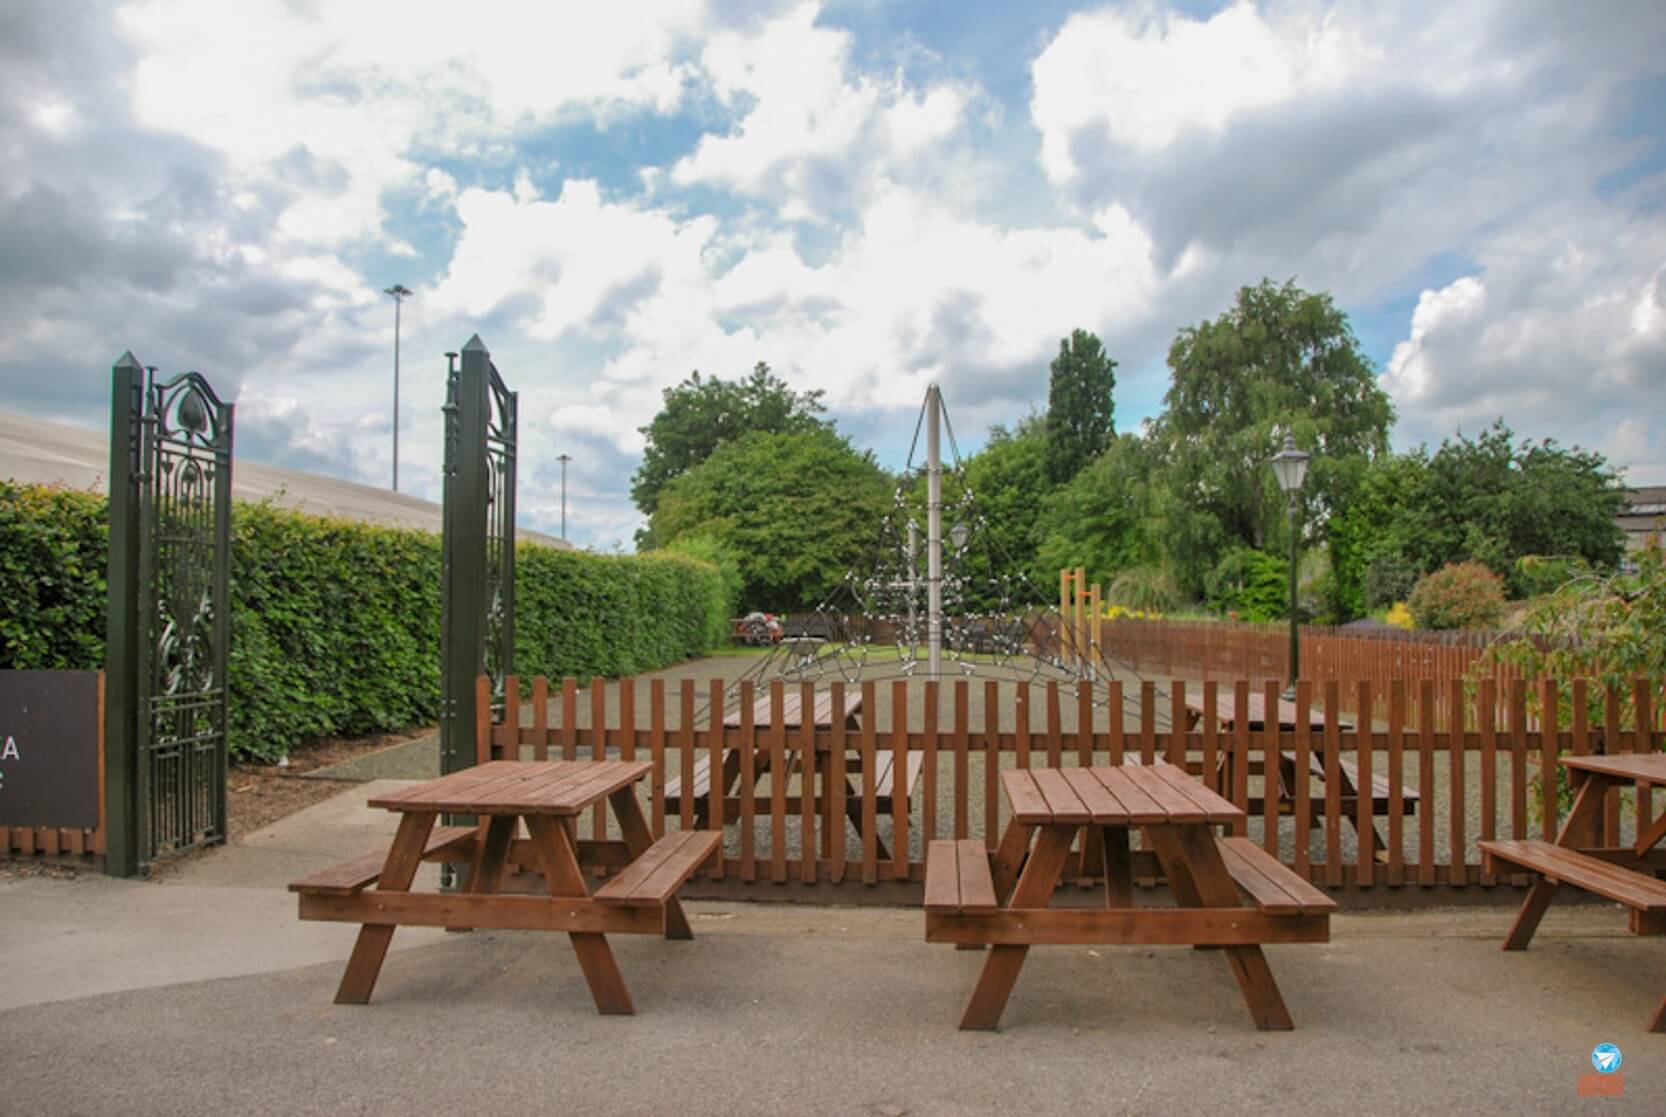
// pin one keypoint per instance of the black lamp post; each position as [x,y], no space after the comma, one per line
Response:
[1290,467]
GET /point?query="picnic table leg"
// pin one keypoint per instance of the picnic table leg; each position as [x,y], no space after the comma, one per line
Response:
[1201,861]
[1658,1023]
[1119,866]
[1578,826]
[1000,969]
[491,858]
[404,857]
[559,859]
[634,828]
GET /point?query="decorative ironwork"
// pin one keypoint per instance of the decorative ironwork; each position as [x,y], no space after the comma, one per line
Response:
[477,623]
[170,615]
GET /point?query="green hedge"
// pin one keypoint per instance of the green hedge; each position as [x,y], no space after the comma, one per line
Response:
[336,624]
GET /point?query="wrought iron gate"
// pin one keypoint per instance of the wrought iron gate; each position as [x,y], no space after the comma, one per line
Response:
[477,617]
[170,615]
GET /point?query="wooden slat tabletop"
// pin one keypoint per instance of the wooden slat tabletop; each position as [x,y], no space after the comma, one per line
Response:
[1226,712]
[792,711]
[564,787]
[1128,795]
[1649,767]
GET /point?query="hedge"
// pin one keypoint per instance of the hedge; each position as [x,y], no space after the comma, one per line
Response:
[336,624]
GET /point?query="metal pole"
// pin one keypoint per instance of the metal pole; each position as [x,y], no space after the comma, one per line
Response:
[564,459]
[398,291]
[913,578]
[1295,635]
[398,306]
[934,531]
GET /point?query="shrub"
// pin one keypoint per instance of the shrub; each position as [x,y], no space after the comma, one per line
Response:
[1537,575]
[335,625]
[1399,616]
[1252,584]
[1459,595]
[1145,589]
[1388,578]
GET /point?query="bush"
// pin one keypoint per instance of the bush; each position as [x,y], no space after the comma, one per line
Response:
[1399,616]
[1388,578]
[335,625]
[1252,584]
[1459,595]
[1144,589]
[1537,575]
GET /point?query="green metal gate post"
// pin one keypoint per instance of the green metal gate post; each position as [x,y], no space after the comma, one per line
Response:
[478,548]
[121,747]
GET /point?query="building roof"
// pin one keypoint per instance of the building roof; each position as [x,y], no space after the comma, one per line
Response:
[37,452]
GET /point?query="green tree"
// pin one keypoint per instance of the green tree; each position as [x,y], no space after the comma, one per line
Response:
[701,414]
[1490,499]
[1102,520]
[1081,409]
[798,511]
[1280,360]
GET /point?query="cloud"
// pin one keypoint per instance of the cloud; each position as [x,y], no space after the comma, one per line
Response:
[816,137]
[1561,332]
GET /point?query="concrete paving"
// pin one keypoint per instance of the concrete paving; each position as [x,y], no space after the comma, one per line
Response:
[202,993]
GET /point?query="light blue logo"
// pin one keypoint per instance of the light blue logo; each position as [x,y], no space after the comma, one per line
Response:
[1606,1058]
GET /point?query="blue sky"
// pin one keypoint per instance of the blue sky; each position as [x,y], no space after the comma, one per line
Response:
[867,196]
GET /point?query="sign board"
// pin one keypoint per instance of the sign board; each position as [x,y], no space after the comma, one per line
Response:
[49,733]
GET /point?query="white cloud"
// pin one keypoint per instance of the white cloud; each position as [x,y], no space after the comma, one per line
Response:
[1144,76]
[816,136]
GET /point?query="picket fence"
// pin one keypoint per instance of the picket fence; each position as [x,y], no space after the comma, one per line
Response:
[1425,794]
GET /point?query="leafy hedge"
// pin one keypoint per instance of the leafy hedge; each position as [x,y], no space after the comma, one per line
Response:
[336,624]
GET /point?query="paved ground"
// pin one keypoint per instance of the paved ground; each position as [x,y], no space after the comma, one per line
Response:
[203,994]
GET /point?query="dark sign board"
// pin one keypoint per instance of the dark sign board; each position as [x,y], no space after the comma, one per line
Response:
[49,730]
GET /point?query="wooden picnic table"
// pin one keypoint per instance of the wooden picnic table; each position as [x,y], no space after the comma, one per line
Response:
[639,899]
[1624,874]
[1006,905]
[1347,772]
[792,719]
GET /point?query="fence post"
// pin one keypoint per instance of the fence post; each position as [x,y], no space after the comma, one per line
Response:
[121,840]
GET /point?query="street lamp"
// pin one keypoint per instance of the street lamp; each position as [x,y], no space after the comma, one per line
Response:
[1290,467]
[398,291]
[564,459]
[958,536]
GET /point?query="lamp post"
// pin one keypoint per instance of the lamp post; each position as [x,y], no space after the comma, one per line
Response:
[1290,467]
[564,459]
[398,291]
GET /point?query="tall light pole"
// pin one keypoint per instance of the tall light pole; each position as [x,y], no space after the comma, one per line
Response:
[398,291]
[1290,467]
[564,459]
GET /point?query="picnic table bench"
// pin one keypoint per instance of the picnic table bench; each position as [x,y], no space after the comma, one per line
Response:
[823,716]
[1002,901]
[1624,874]
[1255,719]
[639,899]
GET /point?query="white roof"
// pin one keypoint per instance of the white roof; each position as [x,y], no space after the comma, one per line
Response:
[37,452]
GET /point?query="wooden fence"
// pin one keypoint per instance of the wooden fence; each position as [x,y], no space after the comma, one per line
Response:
[1209,650]
[1426,795]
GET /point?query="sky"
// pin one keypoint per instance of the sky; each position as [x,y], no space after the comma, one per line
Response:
[867,196]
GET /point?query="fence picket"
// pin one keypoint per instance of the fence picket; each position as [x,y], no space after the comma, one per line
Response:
[748,781]
[833,830]
[1365,821]
[1397,782]
[1458,757]
[656,750]
[1333,784]
[718,791]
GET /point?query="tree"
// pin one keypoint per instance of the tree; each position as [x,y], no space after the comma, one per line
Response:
[1280,360]
[701,414]
[798,510]
[1101,520]
[1080,405]
[1489,499]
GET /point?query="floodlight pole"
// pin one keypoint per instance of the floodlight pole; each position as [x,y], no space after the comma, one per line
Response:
[564,459]
[934,531]
[398,291]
